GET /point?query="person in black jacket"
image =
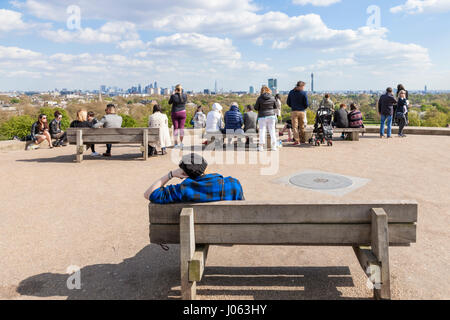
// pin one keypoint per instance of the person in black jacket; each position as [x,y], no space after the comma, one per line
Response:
[178,101]
[267,119]
[341,118]
[386,111]
[401,112]
[55,131]
[40,132]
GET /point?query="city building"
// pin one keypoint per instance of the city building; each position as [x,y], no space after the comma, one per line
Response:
[312,82]
[251,90]
[273,85]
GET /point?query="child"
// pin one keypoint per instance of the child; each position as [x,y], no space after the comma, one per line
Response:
[288,128]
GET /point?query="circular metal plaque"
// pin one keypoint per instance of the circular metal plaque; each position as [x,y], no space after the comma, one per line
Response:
[320,181]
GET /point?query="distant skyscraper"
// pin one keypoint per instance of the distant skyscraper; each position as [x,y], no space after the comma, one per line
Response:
[273,85]
[312,82]
[156,85]
[103,88]
[139,89]
[426,89]
[251,90]
[215,87]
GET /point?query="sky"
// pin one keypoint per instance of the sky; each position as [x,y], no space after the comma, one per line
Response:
[347,44]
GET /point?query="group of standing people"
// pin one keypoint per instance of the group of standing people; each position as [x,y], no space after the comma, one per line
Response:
[390,107]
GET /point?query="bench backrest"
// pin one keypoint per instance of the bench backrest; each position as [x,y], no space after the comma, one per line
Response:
[113,135]
[243,222]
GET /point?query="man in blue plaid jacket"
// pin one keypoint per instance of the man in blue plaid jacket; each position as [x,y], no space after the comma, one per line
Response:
[197,186]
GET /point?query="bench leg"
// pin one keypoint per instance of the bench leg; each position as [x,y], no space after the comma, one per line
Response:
[80,146]
[187,250]
[145,143]
[354,136]
[380,248]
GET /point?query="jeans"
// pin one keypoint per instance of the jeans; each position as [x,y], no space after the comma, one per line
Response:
[108,148]
[389,125]
[268,123]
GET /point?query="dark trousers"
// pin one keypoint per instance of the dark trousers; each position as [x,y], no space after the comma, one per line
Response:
[401,124]
[92,147]
[60,137]
[108,148]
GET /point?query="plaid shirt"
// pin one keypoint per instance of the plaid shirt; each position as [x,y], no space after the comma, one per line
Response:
[208,188]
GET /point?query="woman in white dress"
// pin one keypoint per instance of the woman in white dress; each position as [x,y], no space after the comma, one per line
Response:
[160,120]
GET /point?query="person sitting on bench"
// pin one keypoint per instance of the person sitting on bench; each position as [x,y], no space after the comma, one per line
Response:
[198,186]
[341,118]
[55,131]
[110,120]
[233,121]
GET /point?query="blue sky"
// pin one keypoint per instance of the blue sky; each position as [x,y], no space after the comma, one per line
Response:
[238,42]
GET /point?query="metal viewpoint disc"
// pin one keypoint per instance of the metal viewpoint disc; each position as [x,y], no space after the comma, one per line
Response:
[320,181]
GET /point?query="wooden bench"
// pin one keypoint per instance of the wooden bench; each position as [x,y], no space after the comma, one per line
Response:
[370,228]
[353,133]
[86,136]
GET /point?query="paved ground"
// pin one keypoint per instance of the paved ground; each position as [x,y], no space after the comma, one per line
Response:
[55,213]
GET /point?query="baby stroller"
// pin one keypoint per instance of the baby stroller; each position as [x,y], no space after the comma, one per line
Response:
[323,128]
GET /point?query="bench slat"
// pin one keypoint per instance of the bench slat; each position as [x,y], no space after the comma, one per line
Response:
[112,131]
[100,138]
[284,234]
[245,212]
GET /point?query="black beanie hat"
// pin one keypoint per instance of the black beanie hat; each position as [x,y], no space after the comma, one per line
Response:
[193,165]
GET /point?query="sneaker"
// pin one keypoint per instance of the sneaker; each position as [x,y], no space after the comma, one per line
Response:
[33,146]
[261,148]
[181,146]
[177,146]
[296,143]
[95,154]
[107,154]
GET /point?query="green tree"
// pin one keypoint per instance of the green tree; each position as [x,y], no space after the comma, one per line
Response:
[17,126]
[14,100]
[128,121]
[414,119]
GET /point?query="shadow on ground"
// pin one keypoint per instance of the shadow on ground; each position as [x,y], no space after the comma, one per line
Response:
[264,283]
[153,274]
[149,275]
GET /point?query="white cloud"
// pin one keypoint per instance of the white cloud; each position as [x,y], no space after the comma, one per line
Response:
[318,3]
[110,32]
[15,53]
[194,43]
[422,6]
[11,20]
